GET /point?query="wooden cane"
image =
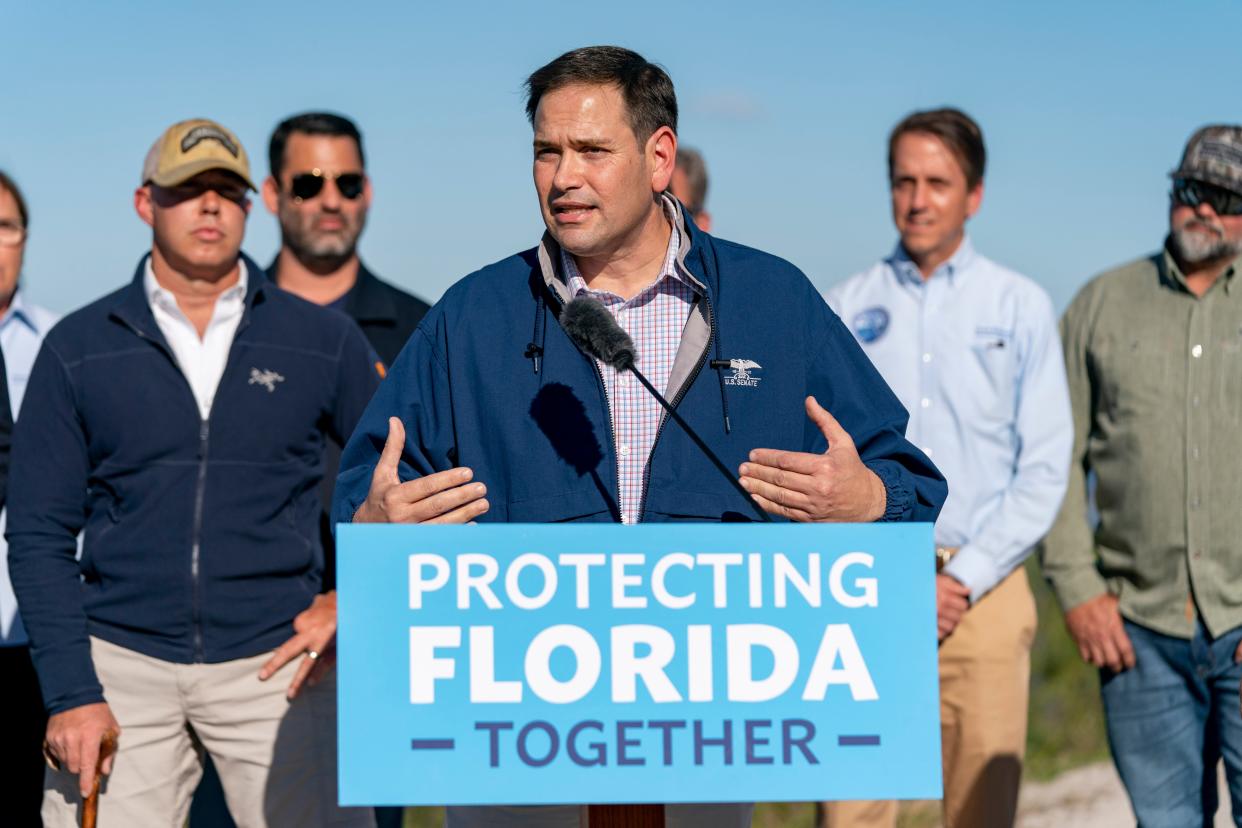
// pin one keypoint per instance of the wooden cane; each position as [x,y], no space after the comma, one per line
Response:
[90,806]
[625,816]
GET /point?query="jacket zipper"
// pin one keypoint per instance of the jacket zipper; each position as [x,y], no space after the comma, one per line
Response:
[676,401]
[204,429]
[200,489]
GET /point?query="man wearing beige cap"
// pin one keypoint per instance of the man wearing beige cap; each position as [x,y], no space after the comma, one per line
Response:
[1152,594]
[178,424]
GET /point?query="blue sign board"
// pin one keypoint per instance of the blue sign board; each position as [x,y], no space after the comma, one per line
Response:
[543,664]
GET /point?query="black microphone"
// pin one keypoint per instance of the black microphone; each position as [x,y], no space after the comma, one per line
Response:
[592,328]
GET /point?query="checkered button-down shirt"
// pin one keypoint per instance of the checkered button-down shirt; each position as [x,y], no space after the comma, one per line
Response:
[654,319]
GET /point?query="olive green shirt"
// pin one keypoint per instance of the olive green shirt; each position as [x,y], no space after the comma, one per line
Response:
[1155,377]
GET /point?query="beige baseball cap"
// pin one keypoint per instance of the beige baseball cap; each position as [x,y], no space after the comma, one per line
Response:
[190,147]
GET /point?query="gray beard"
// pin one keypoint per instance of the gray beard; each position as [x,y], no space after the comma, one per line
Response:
[320,254]
[1195,248]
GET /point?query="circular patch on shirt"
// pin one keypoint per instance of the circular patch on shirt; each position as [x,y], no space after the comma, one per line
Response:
[871,324]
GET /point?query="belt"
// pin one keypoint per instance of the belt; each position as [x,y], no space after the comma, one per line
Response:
[943,555]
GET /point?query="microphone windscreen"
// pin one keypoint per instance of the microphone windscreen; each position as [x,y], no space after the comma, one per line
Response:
[592,328]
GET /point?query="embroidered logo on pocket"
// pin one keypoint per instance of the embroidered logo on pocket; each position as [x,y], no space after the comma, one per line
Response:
[992,338]
[742,375]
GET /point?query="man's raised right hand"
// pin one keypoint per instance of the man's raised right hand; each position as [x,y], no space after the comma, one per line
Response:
[74,738]
[1096,628]
[443,497]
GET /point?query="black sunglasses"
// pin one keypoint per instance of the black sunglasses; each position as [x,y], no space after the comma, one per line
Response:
[309,184]
[1192,193]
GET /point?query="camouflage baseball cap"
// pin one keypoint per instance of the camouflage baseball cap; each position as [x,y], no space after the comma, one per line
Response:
[1214,156]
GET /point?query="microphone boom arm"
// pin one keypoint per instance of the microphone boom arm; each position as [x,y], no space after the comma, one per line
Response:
[698,441]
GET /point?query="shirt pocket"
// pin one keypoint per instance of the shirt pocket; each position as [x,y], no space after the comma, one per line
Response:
[993,370]
[1229,377]
[1138,374]
[566,507]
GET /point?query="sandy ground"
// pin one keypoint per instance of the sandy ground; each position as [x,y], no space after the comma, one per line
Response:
[1089,797]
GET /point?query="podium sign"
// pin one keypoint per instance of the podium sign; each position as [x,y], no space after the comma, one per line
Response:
[541,664]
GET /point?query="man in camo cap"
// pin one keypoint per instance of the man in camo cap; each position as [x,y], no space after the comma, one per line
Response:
[1152,595]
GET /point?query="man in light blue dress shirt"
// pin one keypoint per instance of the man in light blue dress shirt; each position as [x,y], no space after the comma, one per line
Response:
[971,349]
[22,328]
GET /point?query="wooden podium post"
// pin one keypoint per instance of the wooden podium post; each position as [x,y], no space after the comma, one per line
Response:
[625,816]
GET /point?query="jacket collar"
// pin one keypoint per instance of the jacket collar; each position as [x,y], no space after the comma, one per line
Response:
[133,308]
[952,269]
[366,301]
[1171,273]
[20,311]
[689,257]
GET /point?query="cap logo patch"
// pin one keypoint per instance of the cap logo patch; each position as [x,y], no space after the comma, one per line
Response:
[207,132]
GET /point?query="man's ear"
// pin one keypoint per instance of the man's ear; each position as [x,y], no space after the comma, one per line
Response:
[271,194]
[974,200]
[142,204]
[661,154]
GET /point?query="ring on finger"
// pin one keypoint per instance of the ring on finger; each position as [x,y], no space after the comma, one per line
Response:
[312,654]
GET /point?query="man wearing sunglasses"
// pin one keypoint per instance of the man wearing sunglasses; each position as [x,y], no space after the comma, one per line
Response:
[178,425]
[320,192]
[1152,595]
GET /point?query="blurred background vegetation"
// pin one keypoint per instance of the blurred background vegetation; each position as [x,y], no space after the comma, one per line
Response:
[1066,723]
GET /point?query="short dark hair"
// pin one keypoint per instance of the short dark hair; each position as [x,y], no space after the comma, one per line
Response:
[7,183]
[310,123]
[956,130]
[692,164]
[647,89]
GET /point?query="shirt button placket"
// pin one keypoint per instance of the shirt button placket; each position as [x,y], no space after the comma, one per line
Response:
[1197,369]
[925,369]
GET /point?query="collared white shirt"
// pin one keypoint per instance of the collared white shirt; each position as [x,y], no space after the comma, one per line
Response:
[654,318]
[201,360]
[22,329]
[974,355]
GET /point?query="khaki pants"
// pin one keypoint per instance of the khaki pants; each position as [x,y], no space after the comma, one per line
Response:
[985,673]
[276,758]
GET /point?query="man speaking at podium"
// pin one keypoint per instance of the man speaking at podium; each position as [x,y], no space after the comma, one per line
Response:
[495,412]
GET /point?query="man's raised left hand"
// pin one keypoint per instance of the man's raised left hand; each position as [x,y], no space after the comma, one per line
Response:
[831,487]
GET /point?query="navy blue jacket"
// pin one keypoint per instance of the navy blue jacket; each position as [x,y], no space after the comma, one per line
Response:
[491,381]
[201,537]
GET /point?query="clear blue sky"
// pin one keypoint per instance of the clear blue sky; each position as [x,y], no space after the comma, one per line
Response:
[1085,106]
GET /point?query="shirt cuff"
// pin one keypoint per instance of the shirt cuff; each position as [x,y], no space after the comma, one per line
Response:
[975,569]
[898,496]
[1077,586]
